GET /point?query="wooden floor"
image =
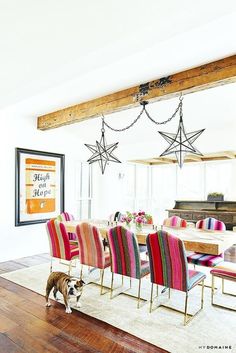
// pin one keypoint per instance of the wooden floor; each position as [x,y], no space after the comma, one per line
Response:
[26,325]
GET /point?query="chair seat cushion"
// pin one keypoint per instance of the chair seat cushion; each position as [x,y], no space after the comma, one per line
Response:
[145,269]
[225,269]
[194,278]
[204,259]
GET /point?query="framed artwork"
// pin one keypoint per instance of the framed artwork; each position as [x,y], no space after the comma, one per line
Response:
[39,186]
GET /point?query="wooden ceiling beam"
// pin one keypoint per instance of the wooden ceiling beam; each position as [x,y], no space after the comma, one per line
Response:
[205,76]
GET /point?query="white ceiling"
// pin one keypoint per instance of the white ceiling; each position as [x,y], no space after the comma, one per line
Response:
[47,44]
[56,53]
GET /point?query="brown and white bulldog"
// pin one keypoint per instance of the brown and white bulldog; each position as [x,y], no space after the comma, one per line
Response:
[67,286]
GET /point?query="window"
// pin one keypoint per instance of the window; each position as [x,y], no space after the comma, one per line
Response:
[190,182]
[219,178]
[84,190]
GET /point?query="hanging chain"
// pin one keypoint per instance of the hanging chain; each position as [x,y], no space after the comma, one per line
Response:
[172,116]
[144,103]
[127,127]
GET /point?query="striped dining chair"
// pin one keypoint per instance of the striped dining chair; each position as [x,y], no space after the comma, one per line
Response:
[207,224]
[125,256]
[65,216]
[169,268]
[59,243]
[175,222]
[91,247]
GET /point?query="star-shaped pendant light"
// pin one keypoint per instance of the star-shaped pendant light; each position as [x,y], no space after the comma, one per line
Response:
[102,153]
[181,142]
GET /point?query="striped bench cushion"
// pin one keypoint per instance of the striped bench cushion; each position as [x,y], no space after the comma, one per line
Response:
[204,259]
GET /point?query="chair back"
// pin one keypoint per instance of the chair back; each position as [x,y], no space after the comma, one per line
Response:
[210,224]
[90,245]
[58,240]
[168,262]
[175,222]
[125,256]
[65,216]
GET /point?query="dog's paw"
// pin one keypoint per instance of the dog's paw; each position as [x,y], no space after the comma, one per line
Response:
[48,304]
[78,305]
[68,310]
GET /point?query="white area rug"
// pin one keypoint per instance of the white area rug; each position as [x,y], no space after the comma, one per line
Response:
[213,327]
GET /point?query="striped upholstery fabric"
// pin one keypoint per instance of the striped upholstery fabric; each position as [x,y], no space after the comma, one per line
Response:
[60,246]
[125,256]
[175,222]
[91,246]
[65,216]
[210,224]
[226,270]
[168,263]
[205,259]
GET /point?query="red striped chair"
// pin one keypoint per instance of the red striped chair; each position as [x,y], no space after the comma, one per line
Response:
[207,224]
[169,267]
[125,256]
[175,222]
[65,216]
[91,247]
[59,243]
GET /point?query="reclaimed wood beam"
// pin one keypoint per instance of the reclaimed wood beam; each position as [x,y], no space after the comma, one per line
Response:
[203,77]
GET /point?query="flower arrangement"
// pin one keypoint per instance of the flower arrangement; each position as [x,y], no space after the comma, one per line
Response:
[138,218]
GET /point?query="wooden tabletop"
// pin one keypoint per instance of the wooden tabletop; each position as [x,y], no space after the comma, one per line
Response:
[213,243]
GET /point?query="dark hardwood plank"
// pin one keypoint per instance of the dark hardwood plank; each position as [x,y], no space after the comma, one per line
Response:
[31,327]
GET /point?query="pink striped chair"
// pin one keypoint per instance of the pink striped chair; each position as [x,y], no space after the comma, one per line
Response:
[169,267]
[65,216]
[207,224]
[175,222]
[125,256]
[91,247]
[59,243]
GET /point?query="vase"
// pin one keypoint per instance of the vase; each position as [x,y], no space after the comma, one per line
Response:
[139,227]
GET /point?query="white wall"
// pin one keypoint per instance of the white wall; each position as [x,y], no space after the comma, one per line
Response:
[18,129]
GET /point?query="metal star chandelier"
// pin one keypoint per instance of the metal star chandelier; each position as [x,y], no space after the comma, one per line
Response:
[102,153]
[181,142]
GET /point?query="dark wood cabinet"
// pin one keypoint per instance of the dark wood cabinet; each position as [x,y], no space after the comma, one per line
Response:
[193,211]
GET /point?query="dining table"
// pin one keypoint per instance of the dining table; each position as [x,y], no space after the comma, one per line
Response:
[201,241]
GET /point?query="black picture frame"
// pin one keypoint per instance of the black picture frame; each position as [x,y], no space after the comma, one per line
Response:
[39,186]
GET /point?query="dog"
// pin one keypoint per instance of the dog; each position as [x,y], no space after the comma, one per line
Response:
[67,286]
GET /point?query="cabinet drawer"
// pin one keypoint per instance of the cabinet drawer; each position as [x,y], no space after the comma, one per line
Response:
[210,215]
[187,216]
[197,216]
[226,218]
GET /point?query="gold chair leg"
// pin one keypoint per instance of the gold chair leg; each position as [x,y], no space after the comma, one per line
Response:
[112,282]
[102,277]
[186,309]
[122,280]
[202,298]
[157,290]
[223,286]
[51,266]
[69,271]
[81,272]
[130,282]
[169,293]
[139,291]
[151,299]
[212,288]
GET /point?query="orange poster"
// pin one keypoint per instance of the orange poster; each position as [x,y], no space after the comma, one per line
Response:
[40,185]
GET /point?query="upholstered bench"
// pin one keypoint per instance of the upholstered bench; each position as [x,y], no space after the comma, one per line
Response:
[225,271]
